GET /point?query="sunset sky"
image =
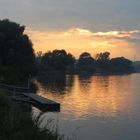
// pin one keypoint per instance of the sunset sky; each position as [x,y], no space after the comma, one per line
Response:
[79,25]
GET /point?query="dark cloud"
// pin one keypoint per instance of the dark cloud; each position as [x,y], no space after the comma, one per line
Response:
[96,15]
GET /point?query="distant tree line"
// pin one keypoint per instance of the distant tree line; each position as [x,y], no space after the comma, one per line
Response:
[56,60]
[18,61]
[60,60]
[103,64]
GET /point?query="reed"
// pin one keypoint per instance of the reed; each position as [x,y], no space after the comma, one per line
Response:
[17,123]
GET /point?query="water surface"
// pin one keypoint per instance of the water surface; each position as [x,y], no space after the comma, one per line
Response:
[94,107]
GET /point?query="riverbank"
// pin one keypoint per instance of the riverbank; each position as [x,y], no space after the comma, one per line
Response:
[17,122]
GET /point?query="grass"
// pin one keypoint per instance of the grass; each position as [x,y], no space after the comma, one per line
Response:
[16,123]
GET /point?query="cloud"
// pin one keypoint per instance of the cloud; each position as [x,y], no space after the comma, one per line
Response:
[57,15]
[77,40]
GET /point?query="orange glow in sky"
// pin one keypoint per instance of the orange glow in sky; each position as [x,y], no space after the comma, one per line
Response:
[76,41]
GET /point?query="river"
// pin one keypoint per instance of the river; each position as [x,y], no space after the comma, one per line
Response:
[94,107]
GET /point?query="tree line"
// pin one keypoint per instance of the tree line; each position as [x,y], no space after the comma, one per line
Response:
[60,60]
[18,60]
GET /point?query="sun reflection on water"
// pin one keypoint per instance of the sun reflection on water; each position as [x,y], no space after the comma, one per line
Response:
[83,97]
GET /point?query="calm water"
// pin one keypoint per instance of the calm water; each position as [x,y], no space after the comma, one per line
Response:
[94,107]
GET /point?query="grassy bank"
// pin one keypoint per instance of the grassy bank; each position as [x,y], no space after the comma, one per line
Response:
[16,123]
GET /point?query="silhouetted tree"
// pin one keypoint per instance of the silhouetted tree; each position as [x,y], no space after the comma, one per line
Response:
[102,60]
[121,64]
[17,59]
[38,58]
[102,56]
[85,55]
[58,60]
[85,62]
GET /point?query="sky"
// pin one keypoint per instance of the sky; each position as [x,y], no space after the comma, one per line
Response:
[79,25]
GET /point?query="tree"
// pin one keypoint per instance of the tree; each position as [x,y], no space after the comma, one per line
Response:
[102,60]
[58,60]
[17,58]
[85,55]
[121,64]
[102,56]
[85,62]
[38,58]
